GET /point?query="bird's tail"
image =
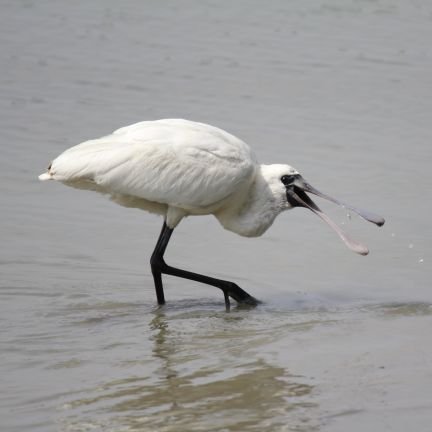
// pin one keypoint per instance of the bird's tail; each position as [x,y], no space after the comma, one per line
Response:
[46,175]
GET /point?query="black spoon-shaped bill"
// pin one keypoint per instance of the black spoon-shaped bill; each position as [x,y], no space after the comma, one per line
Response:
[296,195]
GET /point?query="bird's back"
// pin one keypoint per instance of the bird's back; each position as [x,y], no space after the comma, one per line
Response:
[176,162]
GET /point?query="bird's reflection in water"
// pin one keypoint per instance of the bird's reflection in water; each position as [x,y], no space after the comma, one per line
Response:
[204,372]
[204,383]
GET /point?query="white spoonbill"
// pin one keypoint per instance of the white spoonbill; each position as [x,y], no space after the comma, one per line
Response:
[177,168]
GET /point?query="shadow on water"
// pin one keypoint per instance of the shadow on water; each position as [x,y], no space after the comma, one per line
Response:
[207,377]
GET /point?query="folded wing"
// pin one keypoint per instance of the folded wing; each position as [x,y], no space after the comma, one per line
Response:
[175,162]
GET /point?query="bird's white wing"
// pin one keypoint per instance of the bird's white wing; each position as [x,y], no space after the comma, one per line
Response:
[175,162]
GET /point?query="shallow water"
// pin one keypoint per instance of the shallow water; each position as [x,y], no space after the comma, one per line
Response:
[342,90]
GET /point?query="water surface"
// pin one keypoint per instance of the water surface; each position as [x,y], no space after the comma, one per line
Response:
[341,90]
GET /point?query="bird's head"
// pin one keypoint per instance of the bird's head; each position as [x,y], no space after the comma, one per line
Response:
[292,190]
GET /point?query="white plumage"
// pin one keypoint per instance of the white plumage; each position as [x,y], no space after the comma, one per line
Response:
[178,168]
[171,167]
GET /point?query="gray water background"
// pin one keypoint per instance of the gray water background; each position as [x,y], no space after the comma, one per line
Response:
[342,90]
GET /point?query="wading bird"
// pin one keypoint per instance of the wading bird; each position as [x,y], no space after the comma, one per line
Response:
[177,168]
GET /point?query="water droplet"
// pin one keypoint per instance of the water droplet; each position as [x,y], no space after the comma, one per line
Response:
[410,245]
[348,215]
[421,260]
[393,234]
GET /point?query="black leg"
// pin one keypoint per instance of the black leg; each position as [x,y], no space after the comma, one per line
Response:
[159,267]
[157,262]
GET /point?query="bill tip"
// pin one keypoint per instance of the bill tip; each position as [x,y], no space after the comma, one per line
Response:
[381,222]
[361,250]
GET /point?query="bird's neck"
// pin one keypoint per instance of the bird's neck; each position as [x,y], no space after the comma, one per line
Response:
[252,210]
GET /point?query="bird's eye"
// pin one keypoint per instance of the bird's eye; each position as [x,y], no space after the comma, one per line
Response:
[287,179]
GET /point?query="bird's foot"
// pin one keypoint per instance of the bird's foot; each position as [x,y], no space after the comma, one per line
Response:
[239,295]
